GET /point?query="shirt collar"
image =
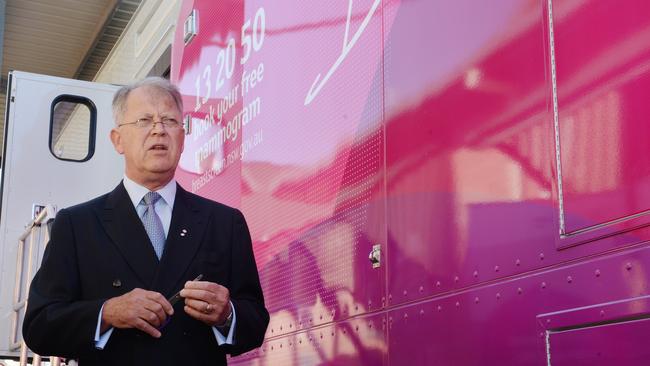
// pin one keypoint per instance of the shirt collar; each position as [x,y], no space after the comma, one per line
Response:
[136,191]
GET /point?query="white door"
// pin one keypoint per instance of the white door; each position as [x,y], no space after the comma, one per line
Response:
[56,152]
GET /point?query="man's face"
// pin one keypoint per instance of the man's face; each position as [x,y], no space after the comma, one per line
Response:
[150,154]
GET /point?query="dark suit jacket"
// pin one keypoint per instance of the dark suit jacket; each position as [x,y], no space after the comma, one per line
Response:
[99,249]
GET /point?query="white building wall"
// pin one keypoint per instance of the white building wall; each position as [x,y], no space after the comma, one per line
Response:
[143,42]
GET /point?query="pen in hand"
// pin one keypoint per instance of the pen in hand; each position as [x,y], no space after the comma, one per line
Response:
[177,296]
[174,299]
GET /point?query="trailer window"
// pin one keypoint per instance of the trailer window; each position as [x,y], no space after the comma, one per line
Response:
[72,128]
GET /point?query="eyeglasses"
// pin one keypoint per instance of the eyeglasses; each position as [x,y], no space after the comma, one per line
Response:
[148,122]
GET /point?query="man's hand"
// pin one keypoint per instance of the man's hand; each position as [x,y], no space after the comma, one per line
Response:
[207,301]
[141,309]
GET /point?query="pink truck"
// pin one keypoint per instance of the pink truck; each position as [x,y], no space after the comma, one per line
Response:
[430,182]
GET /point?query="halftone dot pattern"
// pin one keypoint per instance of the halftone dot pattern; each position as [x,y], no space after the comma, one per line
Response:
[314,264]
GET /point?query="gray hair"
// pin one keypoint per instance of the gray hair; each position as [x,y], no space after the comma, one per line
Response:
[156,82]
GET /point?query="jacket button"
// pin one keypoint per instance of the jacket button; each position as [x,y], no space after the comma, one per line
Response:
[117,283]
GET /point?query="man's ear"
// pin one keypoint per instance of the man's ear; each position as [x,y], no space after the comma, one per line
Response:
[183,142]
[116,139]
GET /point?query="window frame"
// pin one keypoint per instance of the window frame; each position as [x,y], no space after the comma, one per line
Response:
[92,132]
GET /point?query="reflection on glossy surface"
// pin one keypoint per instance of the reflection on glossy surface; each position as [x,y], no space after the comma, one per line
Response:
[435,137]
[603,77]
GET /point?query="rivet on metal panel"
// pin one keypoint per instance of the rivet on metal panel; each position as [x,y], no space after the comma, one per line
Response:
[439,308]
[476,300]
[421,311]
[496,268]
[541,256]
[628,266]
[438,284]
[421,289]
[602,313]
[390,297]
[405,292]
[498,295]
[456,278]
[457,304]
[280,327]
[569,279]
[519,290]
[597,273]
[543,284]
[290,325]
[518,262]
[406,316]
[475,273]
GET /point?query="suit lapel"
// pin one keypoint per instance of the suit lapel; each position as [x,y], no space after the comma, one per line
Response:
[124,227]
[183,240]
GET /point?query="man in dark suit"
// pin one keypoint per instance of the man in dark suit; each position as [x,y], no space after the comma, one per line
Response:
[104,292]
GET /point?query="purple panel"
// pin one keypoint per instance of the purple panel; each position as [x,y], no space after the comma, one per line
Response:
[602,49]
[505,323]
[613,344]
[599,313]
[359,341]
[599,334]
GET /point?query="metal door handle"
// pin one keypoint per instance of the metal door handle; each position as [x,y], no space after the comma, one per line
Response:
[375,256]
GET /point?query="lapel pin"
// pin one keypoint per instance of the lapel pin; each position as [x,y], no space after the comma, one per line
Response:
[117,282]
[183,232]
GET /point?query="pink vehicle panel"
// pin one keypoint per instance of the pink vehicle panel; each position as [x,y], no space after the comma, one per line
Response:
[491,155]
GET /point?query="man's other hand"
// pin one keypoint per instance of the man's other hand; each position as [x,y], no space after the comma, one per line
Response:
[140,309]
[208,302]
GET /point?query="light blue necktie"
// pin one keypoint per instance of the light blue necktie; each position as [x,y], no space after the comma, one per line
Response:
[152,223]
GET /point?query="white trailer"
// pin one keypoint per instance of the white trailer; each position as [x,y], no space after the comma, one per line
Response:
[56,153]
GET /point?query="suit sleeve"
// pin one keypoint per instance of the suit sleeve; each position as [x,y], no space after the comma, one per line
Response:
[58,322]
[246,292]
